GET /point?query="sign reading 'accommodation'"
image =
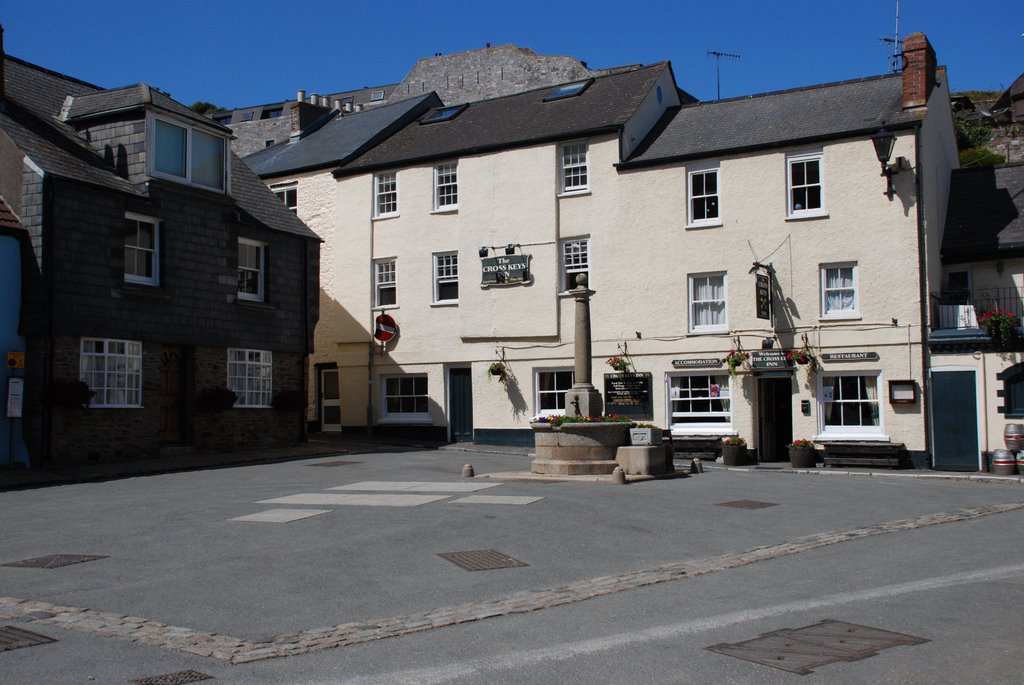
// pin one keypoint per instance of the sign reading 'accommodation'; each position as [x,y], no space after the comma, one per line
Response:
[505,269]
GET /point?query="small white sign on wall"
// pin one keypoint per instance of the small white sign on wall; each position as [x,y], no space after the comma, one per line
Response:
[826,394]
[15,395]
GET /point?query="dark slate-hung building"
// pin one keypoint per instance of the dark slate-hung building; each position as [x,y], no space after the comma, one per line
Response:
[161,271]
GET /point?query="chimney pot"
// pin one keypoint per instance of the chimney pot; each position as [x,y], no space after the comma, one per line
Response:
[314,99]
[347,107]
[300,95]
[918,70]
[337,103]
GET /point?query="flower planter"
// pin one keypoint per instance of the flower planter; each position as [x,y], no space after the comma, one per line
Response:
[802,457]
[734,455]
[645,437]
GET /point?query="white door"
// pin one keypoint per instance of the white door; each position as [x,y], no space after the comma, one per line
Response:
[330,401]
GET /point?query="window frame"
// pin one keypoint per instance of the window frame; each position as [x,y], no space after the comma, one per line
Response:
[387,416]
[851,432]
[450,275]
[556,391]
[153,279]
[693,327]
[378,195]
[700,170]
[582,265]
[566,170]
[132,385]
[452,170]
[190,131]
[839,314]
[803,158]
[378,284]
[724,381]
[261,269]
[240,383]
[283,190]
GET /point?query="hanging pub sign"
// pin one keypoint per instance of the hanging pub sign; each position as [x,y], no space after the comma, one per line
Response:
[708,363]
[628,394]
[509,269]
[764,296]
[769,359]
[849,357]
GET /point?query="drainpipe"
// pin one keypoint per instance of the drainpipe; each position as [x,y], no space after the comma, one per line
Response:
[46,425]
[304,359]
[922,259]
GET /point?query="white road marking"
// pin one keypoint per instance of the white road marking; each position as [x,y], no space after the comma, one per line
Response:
[355,500]
[572,650]
[281,515]
[496,499]
[415,486]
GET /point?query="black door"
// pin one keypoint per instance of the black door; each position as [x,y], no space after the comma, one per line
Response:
[775,423]
[955,421]
[460,405]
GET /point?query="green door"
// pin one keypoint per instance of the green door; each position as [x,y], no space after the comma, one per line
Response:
[954,421]
[460,405]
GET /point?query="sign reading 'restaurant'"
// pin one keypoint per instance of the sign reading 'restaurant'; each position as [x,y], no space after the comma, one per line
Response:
[505,269]
[849,357]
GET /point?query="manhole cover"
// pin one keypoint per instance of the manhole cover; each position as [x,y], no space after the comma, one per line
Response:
[747,504]
[54,560]
[15,638]
[481,559]
[174,678]
[804,649]
[335,463]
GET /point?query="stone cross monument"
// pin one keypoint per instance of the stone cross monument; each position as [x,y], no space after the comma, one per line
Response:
[583,399]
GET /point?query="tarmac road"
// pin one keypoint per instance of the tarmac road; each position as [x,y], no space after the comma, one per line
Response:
[621,584]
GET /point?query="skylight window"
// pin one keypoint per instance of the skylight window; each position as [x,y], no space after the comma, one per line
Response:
[568,90]
[442,114]
[376,95]
[247,116]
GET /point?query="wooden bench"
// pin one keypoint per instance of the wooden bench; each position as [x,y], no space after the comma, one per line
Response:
[888,454]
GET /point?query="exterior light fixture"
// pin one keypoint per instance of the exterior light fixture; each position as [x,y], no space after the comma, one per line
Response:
[510,249]
[483,252]
[884,141]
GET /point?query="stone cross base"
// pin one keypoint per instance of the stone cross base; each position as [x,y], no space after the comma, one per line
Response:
[585,398]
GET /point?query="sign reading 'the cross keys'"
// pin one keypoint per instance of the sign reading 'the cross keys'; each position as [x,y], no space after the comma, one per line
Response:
[505,269]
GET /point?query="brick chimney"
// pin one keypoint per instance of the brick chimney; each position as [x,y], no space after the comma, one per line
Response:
[918,70]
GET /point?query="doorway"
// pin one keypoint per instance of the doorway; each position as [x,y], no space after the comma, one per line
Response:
[460,405]
[172,395]
[775,418]
[955,420]
[330,401]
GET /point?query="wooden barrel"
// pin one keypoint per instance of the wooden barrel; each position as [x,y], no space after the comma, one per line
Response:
[1003,463]
[1013,435]
[1020,463]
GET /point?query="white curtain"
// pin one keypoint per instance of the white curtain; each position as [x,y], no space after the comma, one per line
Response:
[708,300]
[839,291]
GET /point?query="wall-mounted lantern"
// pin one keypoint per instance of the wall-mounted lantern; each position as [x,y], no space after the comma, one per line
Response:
[884,142]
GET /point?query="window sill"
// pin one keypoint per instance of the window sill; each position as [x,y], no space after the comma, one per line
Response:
[848,437]
[420,420]
[115,406]
[446,210]
[384,307]
[255,304]
[709,331]
[445,303]
[809,214]
[574,193]
[853,316]
[252,406]
[569,293]
[145,290]
[704,224]
[384,217]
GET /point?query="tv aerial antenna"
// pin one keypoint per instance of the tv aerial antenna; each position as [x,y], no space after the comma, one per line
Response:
[718,55]
[894,41]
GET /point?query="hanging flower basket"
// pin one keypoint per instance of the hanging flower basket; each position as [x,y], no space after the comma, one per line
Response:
[1001,326]
[619,363]
[498,369]
[736,360]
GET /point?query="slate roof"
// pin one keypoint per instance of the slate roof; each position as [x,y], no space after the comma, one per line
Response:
[104,102]
[9,221]
[517,120]
[985,214]
[339,139]
[801,115]
[34,98]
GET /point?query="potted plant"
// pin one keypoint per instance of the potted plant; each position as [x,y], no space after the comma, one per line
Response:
[1001,326]
[498,369]
[802,454]
[735,360]
[619,363]
[734,450]
[645,435]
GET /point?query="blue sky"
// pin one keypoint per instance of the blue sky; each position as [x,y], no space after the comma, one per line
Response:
[243,53]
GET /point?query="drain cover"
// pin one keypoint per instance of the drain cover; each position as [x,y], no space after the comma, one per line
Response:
[747,504]
[15,638]
[802,650]
[54,560]
[174,678]
[481,560]
[335,463]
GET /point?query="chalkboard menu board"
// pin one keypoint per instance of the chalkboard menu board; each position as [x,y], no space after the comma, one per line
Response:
[628,394]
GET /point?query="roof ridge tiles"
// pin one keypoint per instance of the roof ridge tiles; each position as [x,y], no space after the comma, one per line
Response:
[798,89]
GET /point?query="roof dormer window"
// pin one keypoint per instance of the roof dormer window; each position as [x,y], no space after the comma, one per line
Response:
[443,114]
[568,90]
[188,155]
